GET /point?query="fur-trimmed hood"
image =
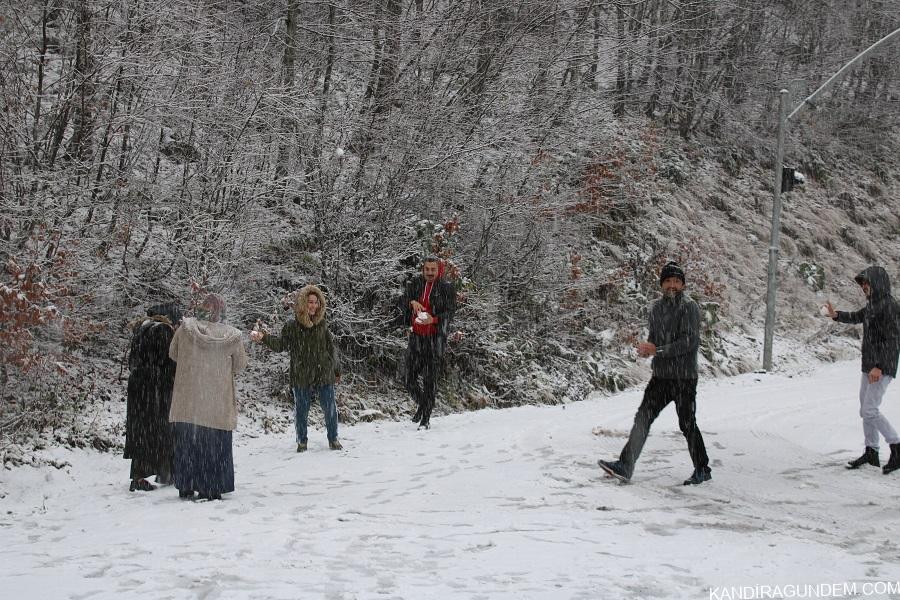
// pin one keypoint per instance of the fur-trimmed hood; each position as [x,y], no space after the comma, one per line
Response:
[300,311]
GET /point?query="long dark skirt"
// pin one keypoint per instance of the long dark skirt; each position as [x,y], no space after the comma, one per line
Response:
[203,459]
[148,433]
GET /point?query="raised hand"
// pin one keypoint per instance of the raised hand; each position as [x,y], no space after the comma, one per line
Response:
[646,349]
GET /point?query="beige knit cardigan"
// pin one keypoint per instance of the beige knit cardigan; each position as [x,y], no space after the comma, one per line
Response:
[208,356]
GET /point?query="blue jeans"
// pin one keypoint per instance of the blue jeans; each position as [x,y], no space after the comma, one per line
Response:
[302,400]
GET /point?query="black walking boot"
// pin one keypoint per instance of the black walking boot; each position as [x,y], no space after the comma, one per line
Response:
[869,457]
[699,476]
[141,485]
[614,468]
[893,462]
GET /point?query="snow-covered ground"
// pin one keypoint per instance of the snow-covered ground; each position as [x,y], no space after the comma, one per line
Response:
[492,504]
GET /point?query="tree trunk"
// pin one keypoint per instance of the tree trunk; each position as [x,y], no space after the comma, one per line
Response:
[80,144]
[39,92]
[391,53]
[288,61]
[619,98]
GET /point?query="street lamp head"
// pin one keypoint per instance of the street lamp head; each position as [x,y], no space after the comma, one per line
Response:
[791,177]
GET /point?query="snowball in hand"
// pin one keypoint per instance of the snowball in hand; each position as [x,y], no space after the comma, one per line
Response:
[422,316]
[823,310]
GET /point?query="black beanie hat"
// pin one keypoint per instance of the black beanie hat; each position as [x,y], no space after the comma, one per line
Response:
[671,270]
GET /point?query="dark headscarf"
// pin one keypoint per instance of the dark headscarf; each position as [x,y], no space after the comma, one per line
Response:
[170,310]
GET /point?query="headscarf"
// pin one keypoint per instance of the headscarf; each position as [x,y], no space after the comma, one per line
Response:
[212,308]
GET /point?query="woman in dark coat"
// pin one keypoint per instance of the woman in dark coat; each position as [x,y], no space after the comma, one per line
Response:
[148,433]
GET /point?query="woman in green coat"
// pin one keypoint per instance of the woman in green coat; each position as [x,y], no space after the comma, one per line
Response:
[315,368]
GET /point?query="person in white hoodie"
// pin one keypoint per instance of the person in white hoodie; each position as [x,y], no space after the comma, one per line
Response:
[208,354]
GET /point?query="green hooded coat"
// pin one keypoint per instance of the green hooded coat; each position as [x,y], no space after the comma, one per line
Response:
[314,359]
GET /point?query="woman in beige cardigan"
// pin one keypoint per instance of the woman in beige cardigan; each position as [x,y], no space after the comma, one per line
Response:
[208,354]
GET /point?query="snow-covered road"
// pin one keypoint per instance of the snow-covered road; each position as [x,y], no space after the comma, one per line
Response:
[492,504]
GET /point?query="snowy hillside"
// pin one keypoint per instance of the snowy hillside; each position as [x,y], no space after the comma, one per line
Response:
[488,504]
[556,154]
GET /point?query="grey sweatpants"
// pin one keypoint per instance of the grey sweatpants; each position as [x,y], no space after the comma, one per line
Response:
[874,423]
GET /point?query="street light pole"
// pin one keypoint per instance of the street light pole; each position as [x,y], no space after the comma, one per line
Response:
[783,118]
[772,284]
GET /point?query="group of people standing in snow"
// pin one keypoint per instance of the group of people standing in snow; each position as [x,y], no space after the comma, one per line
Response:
[181,398]
[181,401]
[181,409]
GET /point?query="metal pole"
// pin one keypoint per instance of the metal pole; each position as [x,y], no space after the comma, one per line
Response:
[810,100]
[783,118]
[783,101]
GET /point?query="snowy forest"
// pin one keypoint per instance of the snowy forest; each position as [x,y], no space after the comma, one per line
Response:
[555,153]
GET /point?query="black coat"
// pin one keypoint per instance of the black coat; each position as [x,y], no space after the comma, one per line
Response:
[148,436]
[881,332]
[443,306]
[675,330]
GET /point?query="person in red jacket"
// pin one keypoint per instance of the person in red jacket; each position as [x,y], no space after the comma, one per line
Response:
[427,307]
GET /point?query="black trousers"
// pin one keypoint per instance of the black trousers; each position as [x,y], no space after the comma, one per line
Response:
[424,356]
[657,396]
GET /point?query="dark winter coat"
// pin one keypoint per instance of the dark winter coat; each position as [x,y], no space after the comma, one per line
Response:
[314,358]
[881,332]
[675,331]
[148,436]
[442,300]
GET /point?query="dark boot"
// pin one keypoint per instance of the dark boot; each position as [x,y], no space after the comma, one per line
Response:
[699,476]
[614,468]
[869,457]
[141,485]
[893,462]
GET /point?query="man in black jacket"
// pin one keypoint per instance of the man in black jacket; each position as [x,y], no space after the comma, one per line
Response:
[880,350]
[427,306]
[673,342]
